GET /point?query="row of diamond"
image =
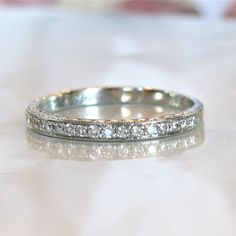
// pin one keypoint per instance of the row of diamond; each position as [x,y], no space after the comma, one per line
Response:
[63,149]
[112,131]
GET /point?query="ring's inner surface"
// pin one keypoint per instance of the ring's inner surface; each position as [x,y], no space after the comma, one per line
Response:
[115,103]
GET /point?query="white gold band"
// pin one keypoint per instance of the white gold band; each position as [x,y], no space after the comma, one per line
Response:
[43,115]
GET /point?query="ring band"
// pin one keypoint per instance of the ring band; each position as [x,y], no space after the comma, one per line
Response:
[43,115]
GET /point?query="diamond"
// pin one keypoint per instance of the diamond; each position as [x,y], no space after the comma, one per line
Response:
[108,132]
[49,126]
[94,131]
[39,124]
[191,121]
[137,131]
[183,123]
[28,120]
[60,128]
[151,129]
[163,128]
[81,130]
[69,129]
[175,126]
[32,123]
[122,131]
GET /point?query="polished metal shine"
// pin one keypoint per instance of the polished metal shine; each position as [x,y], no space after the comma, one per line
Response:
[54,116]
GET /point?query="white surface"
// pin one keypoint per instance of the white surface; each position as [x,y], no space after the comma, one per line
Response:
[191,193]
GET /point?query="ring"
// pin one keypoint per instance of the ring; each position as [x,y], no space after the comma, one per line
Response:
[113,114]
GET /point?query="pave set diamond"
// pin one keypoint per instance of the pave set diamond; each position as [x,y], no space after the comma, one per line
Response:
[111,131]
[69,149]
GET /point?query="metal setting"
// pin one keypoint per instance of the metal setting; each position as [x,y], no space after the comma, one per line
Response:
[44,115]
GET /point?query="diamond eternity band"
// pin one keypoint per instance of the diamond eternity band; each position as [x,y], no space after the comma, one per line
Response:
[176,114]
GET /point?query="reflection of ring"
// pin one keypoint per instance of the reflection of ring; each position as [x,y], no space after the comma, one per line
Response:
[78,150]
[183,114]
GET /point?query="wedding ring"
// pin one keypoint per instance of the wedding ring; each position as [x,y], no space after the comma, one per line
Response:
[105,114]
